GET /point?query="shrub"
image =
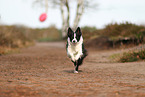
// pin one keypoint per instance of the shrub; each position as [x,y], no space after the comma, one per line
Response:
[116,31]
[133,56]
[90,32]
[46,34]
[13,36]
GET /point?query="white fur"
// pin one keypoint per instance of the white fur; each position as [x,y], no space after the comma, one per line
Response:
[74,38]
[75,51]
[76,71]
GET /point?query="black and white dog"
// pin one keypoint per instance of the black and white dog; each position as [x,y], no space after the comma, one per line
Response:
[75,47]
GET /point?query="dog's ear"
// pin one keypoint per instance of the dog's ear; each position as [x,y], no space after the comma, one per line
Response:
[69,33]
[78,31]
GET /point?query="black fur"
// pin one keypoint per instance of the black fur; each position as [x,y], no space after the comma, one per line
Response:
[71,34]
[80,60]
[84,51]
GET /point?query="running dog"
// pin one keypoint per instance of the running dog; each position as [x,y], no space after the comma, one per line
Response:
[75,47]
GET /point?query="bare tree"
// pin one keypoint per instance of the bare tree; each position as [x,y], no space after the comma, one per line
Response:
[64,6]
[79,12]
[65,20]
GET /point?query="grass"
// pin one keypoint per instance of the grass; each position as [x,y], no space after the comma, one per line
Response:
[6,50]
[46,34]
[47,39]
[115,57]
[15,36]
[116,31]
[130,56]
[89,32]
[20,36]
[133,56]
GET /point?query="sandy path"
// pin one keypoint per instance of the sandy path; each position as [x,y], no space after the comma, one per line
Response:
[45,71]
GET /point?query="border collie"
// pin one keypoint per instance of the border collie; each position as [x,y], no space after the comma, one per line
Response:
[75,47]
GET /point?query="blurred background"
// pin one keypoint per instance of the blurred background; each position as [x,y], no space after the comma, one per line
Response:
[104,23]
[97,13]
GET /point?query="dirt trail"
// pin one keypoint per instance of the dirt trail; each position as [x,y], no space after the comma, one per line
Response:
[45,71]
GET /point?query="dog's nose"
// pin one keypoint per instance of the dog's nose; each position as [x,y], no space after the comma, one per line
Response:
[73,41]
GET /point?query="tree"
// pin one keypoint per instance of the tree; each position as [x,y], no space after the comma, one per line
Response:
[64,6]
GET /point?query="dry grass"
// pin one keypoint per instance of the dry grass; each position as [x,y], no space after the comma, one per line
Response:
[133,56]
[20,36]
[12,37]
[122,30]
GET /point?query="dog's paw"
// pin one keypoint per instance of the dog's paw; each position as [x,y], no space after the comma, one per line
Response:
[76,72]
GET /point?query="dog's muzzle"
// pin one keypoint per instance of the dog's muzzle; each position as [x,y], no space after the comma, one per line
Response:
[74,41]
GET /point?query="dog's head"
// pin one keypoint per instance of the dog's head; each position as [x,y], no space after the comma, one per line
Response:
[74,37]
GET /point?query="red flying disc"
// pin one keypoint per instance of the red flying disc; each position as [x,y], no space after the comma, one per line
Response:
[43,17]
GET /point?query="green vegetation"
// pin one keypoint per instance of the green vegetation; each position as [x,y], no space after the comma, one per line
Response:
[46,34]
[13,37]
[90,32]
[133,56]
[115,57]
[116,31]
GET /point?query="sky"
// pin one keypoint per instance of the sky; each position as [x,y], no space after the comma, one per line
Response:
[23,12]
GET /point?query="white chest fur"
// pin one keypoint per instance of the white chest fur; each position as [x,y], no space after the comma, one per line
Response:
[75,51]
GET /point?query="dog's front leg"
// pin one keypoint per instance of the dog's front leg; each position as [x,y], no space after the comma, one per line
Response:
[73,58]
[76,67]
